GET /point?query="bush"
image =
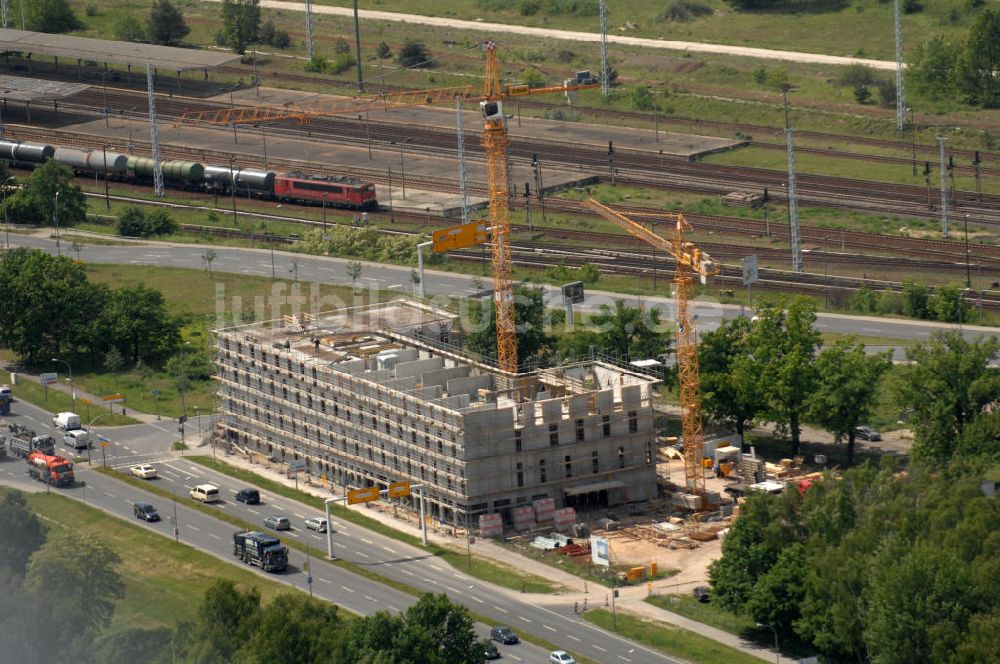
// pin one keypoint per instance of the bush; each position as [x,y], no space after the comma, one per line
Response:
[862,94]
[683,11]
[887,92]
[129,27]
[642,99]
[341,46]
[413,54]
[317,65]
[565,56]
[342,63]
[912,6]
[383,50]
[282,39]
[134,222]
[529,7]
[855,75]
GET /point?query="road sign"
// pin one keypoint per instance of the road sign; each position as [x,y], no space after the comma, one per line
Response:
[113,397]
[362,495]
[48,378]
[84,401]
[182,419]
[749,270]
[296,465]
[458,237]
[155,392]
[399,489]
[573,292]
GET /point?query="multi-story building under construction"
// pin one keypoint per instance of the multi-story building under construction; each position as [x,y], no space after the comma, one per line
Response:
[378,394]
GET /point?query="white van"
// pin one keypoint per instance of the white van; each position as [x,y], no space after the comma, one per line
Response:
[206,493]
[66,421]
[78,439]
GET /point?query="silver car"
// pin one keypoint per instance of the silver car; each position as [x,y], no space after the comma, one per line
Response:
[278,522]
[316,523]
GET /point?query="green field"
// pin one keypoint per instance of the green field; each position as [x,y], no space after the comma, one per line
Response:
[56,401]
[707,613]
[164,580]
[669,639]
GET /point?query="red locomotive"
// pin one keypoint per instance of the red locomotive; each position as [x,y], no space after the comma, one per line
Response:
[319,190]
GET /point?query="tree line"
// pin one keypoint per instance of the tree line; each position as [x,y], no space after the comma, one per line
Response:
[888,564]
[51,309]
[59,592]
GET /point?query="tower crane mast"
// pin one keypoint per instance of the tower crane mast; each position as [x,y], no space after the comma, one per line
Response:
[689,260]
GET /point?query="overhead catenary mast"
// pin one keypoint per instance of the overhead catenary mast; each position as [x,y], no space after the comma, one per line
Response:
[5,10]
[309,29]
[153,136]
[944,189]
[463,175]
[900,96]
[605,83]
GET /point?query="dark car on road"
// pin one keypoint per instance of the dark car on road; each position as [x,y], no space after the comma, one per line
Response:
[504,635]
[146,512]
[701,594]
[867,433]
[248,496]
[490,651]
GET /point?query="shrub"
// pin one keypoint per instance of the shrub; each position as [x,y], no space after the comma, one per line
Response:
[886,92]
[414,54]
[862,94]
[855,75]
[342,63]
[317,65]
[341,46]
[683,11]
[565,56]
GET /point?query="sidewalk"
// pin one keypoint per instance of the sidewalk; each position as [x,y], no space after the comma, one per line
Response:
[578,593]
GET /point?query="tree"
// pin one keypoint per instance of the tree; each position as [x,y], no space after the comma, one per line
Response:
[52,16]
[240,23]
[413,54]
[137,323]
[132,222]
[862,94]
[47,306]
[529,323]
[227,617]
[642,99]
[982,59]
[778,593]
[293,629]
[732,391]
[354,270]
[81,596]
[846,385]
[113,360]
[35,202]
[950,306]
[750,5]
[129,27]
[933,70]
[166,24]
[916,299]
[159,222]
[208,257]
[785,343]
[631,332]
[21,534]
[946,386]
[383,50]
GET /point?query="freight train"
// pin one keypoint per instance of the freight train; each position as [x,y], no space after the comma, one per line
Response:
[330,191]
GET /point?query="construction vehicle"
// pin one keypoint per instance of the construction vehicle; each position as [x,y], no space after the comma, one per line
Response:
[689,260]
[23,442]
[260,549]
[51,469]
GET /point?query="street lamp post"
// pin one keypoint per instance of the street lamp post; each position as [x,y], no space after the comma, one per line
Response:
[72,388]
[90,441]
[107,194]
[55,219]
[6,223]
[777,652]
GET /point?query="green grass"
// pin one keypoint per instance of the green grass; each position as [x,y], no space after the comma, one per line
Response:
[707,613]
[57,402]
[673,641]
[164,580]
[506,576]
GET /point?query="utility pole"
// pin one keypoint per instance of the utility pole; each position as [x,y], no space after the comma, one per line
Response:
[153,135]
[309,29]
[357,47]
[463,175]
[944,189]
[605,83]
[900,102]
[55,221]
[6,12]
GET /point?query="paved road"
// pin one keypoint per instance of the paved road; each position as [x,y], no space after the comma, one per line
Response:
[408,564]
[258,262]
[569,35]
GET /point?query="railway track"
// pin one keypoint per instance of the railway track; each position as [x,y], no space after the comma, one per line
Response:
[640,168]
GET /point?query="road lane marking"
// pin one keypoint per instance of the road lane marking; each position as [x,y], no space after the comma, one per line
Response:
[570,636]
[624,658]
[393,551]
[347,589]
[363,554]
[324,580]
[599,648]
[436,568]
[450,589]
[460,577]
[551,629]
[370,598]
[408,572]
[513,656]
[342,546]
[500,609]
[254,511]
[524,619]
[477,599]
[299,515]
[194,528]
[215,536]
[367,541]
[392,608]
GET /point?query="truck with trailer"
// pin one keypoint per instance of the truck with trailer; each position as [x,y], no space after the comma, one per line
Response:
[260,549]
[23,442]
[51,469]
[66,421]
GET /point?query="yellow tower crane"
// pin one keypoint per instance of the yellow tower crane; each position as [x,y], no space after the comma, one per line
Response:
[689,261]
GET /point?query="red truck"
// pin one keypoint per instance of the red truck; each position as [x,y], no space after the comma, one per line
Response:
[51,469]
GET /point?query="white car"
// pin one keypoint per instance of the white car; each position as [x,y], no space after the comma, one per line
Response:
[561,657]
[316,523]
[144,471]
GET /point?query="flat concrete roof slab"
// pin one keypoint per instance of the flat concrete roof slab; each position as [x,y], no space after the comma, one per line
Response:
[121,53]
[35,89]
